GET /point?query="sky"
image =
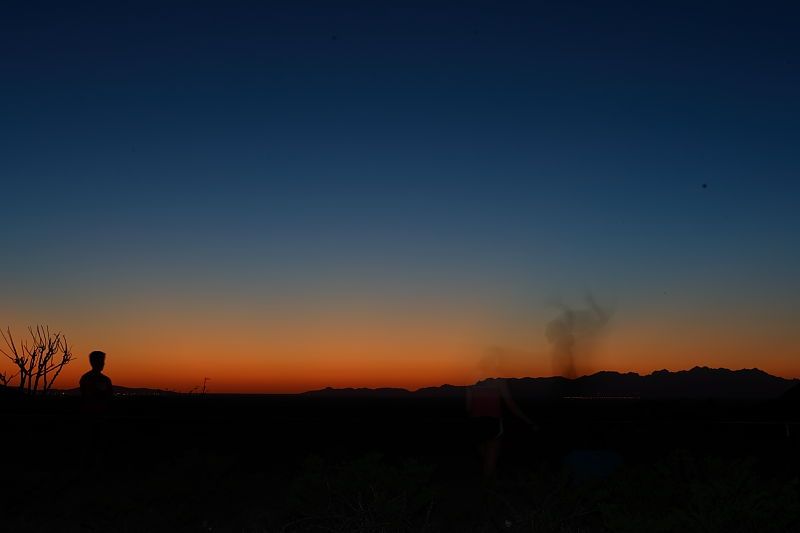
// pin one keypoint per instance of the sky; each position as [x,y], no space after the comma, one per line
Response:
[283,196]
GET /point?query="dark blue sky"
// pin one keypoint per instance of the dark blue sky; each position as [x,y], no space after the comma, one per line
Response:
[262,150]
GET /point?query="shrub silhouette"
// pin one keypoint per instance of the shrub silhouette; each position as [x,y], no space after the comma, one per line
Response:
[543,499]
[710,494]
[367,494]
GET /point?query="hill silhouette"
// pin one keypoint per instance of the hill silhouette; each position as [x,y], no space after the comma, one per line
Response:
[123,391]
[699,382]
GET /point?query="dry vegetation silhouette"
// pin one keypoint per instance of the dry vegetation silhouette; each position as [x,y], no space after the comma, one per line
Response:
[39,358]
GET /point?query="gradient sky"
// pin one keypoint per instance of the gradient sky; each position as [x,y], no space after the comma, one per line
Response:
[285,196]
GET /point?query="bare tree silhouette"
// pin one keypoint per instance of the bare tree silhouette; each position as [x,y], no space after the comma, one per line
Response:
[39,359]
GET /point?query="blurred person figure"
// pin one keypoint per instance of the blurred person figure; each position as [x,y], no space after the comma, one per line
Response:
[487,400]
[572,333]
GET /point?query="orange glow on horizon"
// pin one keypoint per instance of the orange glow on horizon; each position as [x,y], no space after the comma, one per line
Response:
[303,374]
[248,353]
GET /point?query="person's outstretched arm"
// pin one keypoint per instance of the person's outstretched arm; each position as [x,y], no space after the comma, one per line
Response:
[512,405]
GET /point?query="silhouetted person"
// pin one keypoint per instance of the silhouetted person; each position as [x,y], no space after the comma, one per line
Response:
[96,392]
[486,401]
[96,387]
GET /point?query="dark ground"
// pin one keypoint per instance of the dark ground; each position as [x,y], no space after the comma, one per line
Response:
[314,463]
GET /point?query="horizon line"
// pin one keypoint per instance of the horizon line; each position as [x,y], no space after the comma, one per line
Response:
[442,385]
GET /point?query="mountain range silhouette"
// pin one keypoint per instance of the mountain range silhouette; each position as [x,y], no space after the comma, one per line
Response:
[699,382]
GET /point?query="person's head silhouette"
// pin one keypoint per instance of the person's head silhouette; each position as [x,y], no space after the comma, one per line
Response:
[98,360]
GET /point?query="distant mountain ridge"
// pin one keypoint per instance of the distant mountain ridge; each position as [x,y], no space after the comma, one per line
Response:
[699,382]
[123,391]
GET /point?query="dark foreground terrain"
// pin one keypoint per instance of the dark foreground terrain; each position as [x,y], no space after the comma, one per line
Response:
[382,463]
